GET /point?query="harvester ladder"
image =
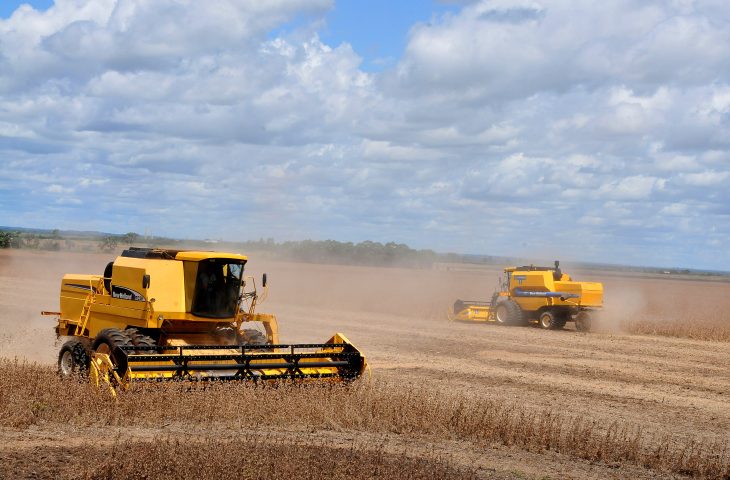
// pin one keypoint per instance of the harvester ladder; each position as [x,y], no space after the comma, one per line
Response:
[86,309]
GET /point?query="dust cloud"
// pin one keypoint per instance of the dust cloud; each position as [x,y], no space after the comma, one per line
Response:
[30,283]
[315,300]
[623,304]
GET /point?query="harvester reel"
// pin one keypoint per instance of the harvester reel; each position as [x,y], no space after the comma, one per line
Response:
[509,313]
[550,320]
[73,359]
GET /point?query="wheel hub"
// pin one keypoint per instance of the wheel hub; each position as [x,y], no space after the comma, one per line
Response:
[67,363]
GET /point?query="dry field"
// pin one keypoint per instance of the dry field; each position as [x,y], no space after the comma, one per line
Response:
[646,397]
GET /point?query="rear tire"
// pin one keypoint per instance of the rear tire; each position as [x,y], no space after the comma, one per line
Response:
[107,342]
[141,340]
[73,359]
[583,322]
[509,313]
[550,320]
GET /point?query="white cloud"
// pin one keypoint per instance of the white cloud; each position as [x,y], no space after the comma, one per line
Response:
[633,188]
[707,178]
[55,188]
[607,124]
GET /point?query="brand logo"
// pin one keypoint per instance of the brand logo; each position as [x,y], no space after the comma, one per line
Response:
[124,293]
[520,279]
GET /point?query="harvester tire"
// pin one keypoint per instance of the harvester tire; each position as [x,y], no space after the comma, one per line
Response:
[140,340]
[253,337]
[73,359]
[509,313]
[107,340]
[552,320]
[583,322]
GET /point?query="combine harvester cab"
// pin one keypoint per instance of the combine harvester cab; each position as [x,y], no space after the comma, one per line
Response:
[542,295]
[160,314]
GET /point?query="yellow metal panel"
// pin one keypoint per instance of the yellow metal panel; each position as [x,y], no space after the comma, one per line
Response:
[127,274]
[533,280]
[74,290]
[167,285]
[472,313]
[104,315]
[531,304]
[592,294]
[199,255]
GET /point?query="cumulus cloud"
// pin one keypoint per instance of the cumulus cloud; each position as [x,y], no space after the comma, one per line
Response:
[591,131]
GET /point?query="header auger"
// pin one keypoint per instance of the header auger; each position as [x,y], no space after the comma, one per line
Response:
[542,295]
[161,314]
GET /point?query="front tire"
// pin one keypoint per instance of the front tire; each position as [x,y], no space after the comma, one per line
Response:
[509,313]
[107,342]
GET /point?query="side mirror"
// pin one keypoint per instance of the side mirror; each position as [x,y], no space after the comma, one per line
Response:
[263,280]
[146,281]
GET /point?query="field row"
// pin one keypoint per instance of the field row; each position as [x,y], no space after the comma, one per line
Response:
[33,395]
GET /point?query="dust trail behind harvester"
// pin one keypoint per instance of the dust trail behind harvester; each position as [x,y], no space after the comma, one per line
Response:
[29,282]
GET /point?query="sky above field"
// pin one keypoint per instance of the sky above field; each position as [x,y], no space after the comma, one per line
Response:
[596,131]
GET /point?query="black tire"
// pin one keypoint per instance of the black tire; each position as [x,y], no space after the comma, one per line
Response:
[509,313]
[551,320]
[73,359]
[583,322]
[253,337]
[108,341]
[141,340]
[108,277]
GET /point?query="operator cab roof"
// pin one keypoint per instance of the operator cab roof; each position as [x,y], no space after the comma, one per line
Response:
[533,268]
[529,268]
[170,254]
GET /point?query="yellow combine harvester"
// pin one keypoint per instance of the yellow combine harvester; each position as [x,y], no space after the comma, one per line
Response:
[528,294]
[174,314]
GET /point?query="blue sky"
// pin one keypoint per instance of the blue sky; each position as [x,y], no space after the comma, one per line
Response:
[506,127]
[376,29]
[7,7]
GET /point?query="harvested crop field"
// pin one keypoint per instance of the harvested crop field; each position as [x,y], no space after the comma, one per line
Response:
[648,396]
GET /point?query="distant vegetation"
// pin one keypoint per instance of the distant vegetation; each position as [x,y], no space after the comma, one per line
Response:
[348,253]
[311,251]
[367,253]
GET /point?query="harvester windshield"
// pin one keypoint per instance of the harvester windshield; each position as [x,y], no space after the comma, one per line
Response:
[217,287]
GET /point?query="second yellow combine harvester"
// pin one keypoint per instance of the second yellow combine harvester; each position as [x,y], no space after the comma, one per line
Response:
[161,314]
[544,295]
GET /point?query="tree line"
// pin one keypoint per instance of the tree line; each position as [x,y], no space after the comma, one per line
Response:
[346,253]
